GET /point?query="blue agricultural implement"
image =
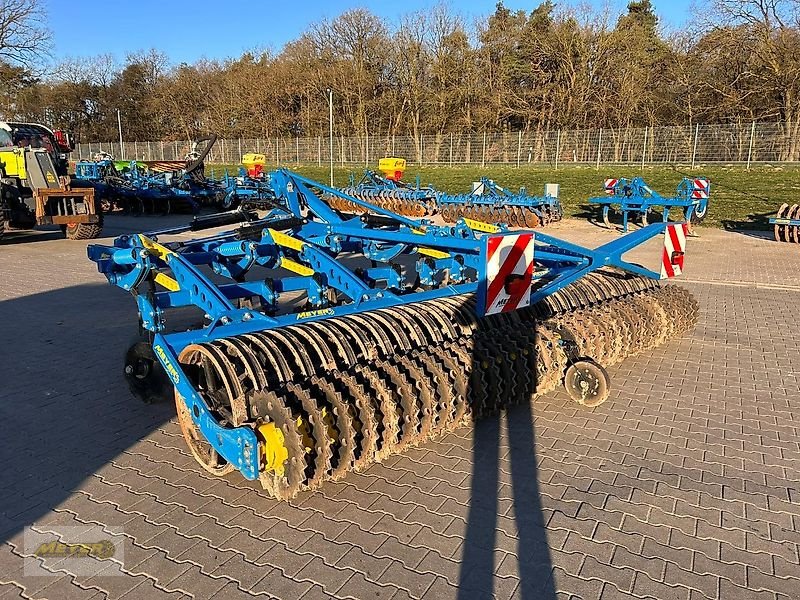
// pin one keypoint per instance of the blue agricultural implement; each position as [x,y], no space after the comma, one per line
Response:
[491,202]
[787,223]
[138,188]
[324,341]
[251,189]
[387,190]
[487,201]
[635,196]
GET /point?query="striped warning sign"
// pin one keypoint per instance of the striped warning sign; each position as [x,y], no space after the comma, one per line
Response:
[674,250]
[610,184]
[700,188]
[509,272]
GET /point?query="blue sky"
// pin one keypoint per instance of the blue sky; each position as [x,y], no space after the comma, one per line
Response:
[187,31]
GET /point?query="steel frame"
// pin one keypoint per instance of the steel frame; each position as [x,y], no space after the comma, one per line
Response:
[308,239]
[634,195]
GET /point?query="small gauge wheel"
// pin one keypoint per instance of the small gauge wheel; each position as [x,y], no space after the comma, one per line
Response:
[587,383]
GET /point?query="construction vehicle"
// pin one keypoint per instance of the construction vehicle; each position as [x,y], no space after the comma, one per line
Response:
[787,223]
[487,201]
[58,143]
[33,193]
[635,196]
[330,340]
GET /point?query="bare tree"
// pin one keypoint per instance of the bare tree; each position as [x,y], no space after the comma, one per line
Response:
[23,35]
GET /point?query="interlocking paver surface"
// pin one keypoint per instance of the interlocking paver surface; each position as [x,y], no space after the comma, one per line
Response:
[685,484]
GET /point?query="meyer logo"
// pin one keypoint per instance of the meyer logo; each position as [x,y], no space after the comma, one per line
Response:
[168,366]
[56,549]
[323,312]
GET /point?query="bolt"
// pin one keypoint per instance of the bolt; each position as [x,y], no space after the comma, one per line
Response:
[247,316]
[129,369]
[224,320]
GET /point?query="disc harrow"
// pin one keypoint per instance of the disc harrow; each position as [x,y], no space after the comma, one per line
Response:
[787,223]
[335,340]
[487,202]
[493,203]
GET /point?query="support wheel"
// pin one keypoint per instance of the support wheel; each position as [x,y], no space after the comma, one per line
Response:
[587,383]
[145,375]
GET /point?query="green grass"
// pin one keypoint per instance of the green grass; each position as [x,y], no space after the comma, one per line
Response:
[739,199]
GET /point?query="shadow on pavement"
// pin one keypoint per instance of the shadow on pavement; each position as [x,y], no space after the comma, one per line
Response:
[65,408]
[534,564]
[756,224]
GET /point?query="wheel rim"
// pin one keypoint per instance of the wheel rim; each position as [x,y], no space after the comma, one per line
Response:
[587,383]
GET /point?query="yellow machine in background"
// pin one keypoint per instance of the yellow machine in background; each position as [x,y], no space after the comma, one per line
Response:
[392,168]
[33,193]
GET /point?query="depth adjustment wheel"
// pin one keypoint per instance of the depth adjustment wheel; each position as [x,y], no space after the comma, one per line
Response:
[146,377]
[587,383]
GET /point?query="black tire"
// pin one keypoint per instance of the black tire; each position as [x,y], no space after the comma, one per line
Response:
[84,231]
[698,216]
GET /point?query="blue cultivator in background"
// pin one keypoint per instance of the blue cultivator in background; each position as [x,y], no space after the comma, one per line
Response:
[137,189]
[635,196]
[491,202]
[487,201]
[388,191]
[312,342]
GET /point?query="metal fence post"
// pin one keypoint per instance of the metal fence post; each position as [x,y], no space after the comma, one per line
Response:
[343,157]
[277,153]
[599,141]
[421,150]
[519,146]
[483,156]
[644,146]
[750,149]
[451,148]
[694,147]
[297,149]
[162,149]
[319,150]
[558,147]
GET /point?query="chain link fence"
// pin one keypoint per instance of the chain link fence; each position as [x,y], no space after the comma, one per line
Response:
[745,143]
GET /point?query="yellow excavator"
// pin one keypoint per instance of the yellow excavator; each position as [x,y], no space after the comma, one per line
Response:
[34,191]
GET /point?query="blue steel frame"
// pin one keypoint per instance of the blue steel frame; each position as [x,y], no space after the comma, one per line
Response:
[634,195]
[497,196]
[777,221]
[311,249]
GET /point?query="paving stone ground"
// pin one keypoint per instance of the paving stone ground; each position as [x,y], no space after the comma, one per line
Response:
[685,485]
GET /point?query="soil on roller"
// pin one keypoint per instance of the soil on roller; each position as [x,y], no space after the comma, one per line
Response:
[366,387]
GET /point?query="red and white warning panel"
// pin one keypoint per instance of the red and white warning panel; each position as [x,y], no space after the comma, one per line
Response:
[609,185]
[674,250]
[701,188]
[509,272]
